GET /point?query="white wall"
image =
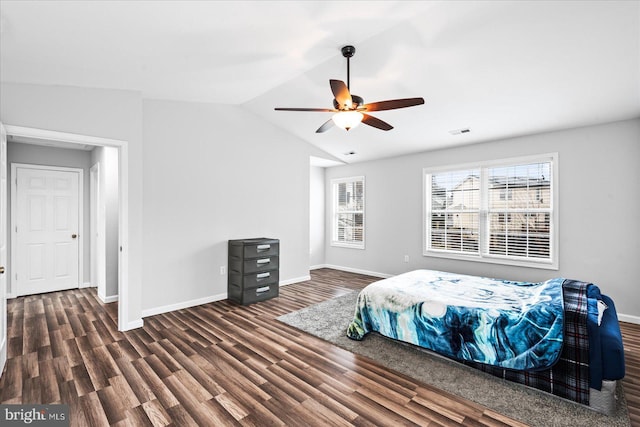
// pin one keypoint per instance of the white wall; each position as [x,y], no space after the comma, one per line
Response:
[111,194]
[211,173]
[316,216]
[214,173]
[50,156]
[108,159]
[599,189]
[114,114]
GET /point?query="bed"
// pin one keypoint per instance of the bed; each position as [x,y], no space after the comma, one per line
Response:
[560,336]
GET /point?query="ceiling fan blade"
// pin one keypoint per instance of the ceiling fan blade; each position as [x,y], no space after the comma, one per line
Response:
[393,104]
[322,110]
[341,93]
[326,126]
[375,122]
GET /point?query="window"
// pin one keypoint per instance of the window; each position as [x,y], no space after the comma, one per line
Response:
[501,212]
[348,212]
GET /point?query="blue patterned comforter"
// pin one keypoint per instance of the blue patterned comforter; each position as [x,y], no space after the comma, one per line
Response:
[513,325]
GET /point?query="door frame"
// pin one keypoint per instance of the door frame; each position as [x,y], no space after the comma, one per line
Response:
[4,328]
[125,323]
[97,229]
[14,218]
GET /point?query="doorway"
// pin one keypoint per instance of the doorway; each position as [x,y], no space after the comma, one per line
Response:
[67,140]
[3,246]
[45,223]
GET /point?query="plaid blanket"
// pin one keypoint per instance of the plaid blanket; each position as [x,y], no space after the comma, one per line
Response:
[569,377]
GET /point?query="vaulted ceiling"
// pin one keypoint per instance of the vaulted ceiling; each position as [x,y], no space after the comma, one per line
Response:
[501,69]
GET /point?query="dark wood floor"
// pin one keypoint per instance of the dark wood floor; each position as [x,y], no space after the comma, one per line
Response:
[222,364]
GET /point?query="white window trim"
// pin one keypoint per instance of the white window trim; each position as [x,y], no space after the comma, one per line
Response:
[337,243]
[550,264]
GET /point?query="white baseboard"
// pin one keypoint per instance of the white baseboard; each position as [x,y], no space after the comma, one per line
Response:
[629,318]
[135,324]
[108,299]
[295,280]
[86,285]
[180,305]
[357,270]
[199,301]
[316,267]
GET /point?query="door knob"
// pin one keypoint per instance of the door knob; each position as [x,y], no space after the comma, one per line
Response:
[1,270]
[73,236]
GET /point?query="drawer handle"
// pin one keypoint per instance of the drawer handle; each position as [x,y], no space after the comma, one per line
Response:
[263,261]
[262,275]
[262,289]
[262,248]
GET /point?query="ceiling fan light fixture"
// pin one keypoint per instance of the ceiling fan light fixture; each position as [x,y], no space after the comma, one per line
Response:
[347,119]
[347,107]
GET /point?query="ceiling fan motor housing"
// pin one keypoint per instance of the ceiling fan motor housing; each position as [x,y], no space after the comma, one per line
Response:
[355,99]
[348,51]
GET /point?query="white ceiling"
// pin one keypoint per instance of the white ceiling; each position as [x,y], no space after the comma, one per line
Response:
[502,69]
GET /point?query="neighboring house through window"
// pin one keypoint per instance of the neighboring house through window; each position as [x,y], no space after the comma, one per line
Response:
[348,212]
[501,212]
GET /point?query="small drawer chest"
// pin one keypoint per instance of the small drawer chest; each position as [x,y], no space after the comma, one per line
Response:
[253,270]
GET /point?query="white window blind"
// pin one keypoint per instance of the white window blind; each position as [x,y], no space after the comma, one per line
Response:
[520,225]
[500,212]
[348,212]
[455,210]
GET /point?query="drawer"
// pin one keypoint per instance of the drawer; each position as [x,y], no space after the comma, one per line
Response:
[255,280]
[249,296]
[261,250]
[258,265]
[255,265]
[254,248]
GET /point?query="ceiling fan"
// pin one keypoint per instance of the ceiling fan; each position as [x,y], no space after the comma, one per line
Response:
[350,109]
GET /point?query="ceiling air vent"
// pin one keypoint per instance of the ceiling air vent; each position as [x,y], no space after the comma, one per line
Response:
[459,131]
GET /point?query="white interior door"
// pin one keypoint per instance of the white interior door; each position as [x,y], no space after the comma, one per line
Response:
[47,224]
[3,246]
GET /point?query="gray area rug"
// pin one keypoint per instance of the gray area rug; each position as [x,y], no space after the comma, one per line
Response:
[329,320]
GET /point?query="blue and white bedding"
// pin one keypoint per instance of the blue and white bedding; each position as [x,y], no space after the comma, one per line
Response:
[461,316]
[511,325]
[592,351]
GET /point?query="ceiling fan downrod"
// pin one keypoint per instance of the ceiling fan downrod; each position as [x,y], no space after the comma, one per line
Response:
[348,51]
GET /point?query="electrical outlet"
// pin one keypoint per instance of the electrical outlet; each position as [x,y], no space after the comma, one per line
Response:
[223,270]
[406,258]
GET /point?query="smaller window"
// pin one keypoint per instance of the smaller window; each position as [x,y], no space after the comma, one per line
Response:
[348,212]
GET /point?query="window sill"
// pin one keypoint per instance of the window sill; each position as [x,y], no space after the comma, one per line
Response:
[348,245]
[542,264]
